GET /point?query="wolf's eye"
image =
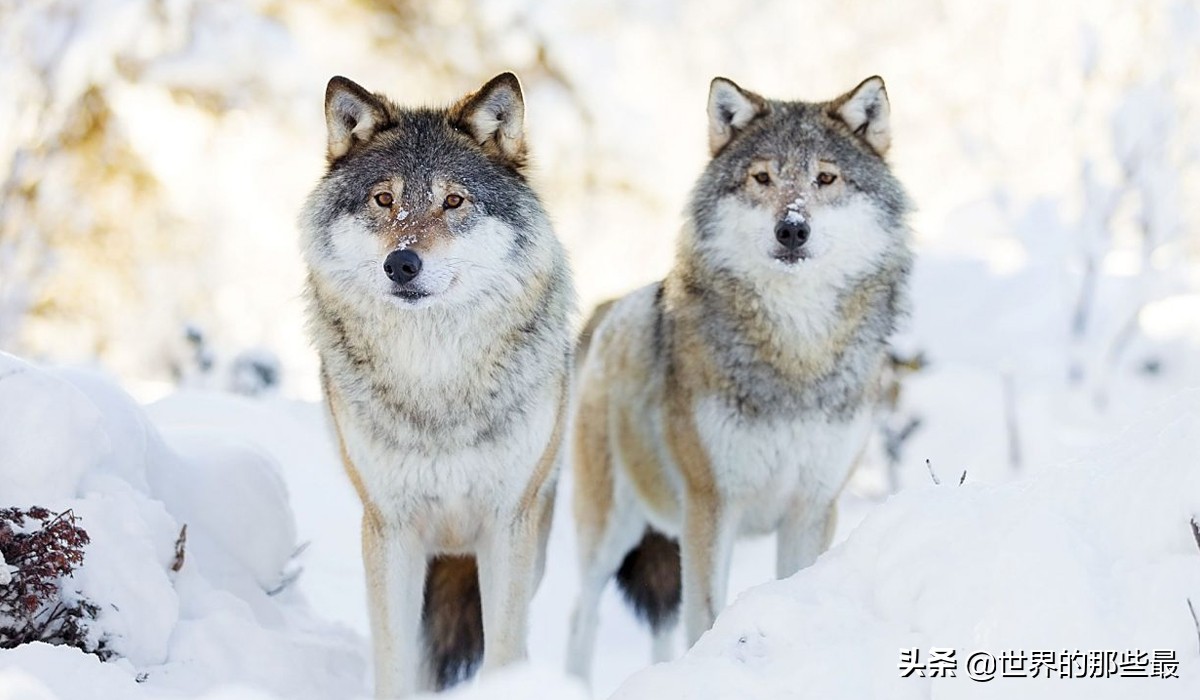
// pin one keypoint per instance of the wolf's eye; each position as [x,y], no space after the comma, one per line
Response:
[762,178]
[825,179]
[384,199]
[453,201]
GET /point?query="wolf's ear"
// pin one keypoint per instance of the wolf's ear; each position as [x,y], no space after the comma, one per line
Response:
[866,111]
[494,115]
[351,114]
[730,109]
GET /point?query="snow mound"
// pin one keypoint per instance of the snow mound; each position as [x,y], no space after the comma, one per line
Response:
[72,440]
[43,419]
[520,681]
[1093,556]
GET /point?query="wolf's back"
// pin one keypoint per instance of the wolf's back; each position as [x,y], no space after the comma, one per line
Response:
[584,342]
[622,357]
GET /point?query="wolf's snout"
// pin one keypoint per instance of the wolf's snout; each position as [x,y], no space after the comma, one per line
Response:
[401,266]
[792,234]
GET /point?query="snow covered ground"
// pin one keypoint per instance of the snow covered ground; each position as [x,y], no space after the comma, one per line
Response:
[72,440]
[1091,555]
[1095,556]
[153,156]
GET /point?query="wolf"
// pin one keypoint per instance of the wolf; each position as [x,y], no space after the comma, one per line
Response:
[440,301]
[734,396]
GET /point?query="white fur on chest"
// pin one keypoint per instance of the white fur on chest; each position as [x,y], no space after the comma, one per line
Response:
[768,466]
[449,481]
[432,346]
[453,496]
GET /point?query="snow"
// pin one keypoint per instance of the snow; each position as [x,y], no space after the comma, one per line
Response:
[41,404]
[1095,554]
[215,620]
[1056,299]
[1050,562]
[795,211]
[211,135]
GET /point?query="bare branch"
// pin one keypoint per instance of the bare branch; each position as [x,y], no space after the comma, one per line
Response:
[1010,421]
[286,582]
[936,481]
[1195,621]
[180,547]
[291,571]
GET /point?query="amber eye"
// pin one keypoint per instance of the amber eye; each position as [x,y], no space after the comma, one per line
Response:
[762,178]
[384,199]
[453,201]
[825,179]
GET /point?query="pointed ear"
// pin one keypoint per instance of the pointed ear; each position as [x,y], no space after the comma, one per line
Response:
[730,109]
[352,115]
[494,115]
[866,111]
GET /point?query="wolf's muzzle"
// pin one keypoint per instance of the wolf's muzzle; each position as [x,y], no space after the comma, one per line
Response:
[792,234]
[402,266]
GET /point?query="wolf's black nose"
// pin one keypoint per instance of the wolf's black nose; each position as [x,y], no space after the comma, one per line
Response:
[791,234]
[402,266]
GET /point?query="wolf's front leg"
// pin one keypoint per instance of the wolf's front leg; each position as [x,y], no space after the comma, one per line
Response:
[710,520]
[395,565]
[806,531]
[509,563]
[709,531]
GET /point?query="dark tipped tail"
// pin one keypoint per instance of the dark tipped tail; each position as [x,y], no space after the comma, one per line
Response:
[452,620]
[650,579]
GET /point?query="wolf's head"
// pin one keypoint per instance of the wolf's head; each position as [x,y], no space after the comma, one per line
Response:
[798,188]
[423,206]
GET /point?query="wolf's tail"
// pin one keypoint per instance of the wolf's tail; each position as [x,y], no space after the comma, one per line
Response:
[650,579]
[452,620]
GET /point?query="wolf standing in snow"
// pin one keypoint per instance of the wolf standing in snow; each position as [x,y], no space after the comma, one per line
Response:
[439,302]
[735,395]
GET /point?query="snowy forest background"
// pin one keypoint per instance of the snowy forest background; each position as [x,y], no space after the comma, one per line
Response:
[153,158]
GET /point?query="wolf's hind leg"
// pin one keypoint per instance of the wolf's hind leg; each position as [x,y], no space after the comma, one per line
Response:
[600,555]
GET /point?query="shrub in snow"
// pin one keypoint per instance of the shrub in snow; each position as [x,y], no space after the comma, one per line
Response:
[251,372]
[255,372]
[39,550]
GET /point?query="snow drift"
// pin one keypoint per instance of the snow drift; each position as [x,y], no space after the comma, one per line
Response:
[71,440]
[1095,555]
[1099,555]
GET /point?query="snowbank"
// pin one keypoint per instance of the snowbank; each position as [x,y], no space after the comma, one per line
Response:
[1094,556]
[71,440]
[1098,555]
[219,628]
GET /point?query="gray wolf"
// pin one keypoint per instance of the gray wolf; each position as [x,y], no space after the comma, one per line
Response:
[734,396]
[439,301]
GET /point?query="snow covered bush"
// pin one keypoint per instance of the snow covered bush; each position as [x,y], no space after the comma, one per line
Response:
[39,550]
[71,440]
